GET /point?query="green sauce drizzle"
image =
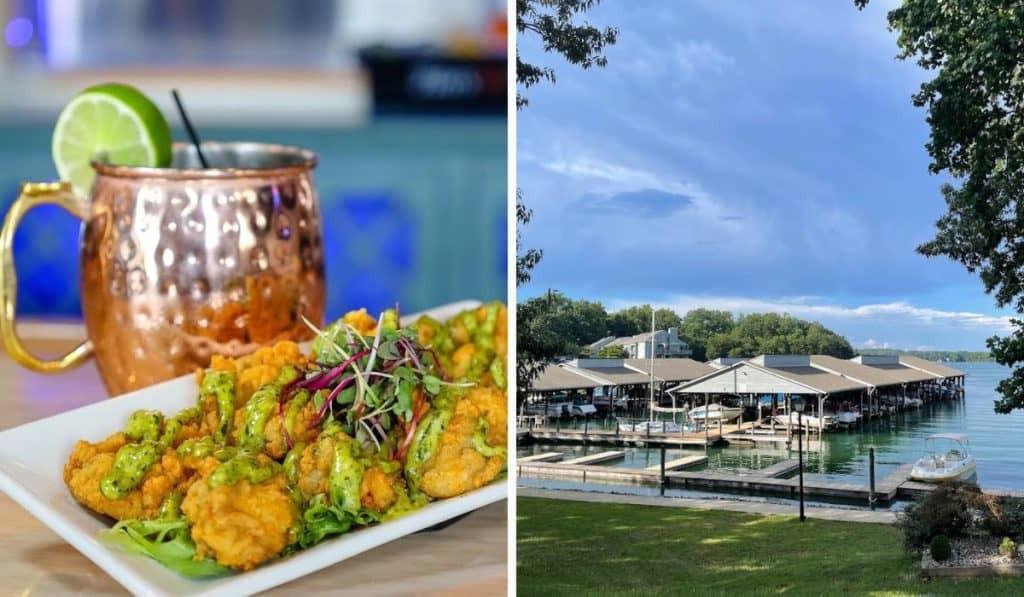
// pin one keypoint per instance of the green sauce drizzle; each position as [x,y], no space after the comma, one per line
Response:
[130,466]
[243,465]
[221,385]
[259,409]
[144,425]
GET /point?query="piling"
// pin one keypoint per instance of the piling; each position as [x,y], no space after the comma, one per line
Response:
[871,475]
[663,478]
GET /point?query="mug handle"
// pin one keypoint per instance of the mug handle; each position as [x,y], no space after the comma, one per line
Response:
[32,195]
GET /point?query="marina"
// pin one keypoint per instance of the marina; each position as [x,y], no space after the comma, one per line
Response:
[741,457]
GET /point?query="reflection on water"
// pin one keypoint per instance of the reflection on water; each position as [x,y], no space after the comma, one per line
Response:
[997,441]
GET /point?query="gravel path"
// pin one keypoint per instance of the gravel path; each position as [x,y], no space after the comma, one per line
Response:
[973,551]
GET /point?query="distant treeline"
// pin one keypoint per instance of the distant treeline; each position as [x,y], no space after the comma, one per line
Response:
[556,324]
[956,356]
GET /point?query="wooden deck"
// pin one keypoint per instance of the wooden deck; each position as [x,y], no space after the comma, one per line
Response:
[679,463]
[765,481]
[617,437]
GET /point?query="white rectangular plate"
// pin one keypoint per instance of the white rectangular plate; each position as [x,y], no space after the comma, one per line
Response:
[32,459]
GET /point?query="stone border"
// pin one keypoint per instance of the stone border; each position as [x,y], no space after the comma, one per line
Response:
[971,571]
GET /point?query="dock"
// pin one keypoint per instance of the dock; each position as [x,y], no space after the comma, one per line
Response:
[767,481]
[542,457]
[596,458]
[779,469]
[679,463]
[714,435]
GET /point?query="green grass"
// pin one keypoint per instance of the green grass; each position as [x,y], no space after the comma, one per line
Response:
[578,548]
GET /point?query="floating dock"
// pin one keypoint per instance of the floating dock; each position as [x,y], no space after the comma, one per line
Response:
[895,485]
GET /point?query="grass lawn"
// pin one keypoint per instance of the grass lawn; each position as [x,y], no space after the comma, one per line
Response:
[578,548]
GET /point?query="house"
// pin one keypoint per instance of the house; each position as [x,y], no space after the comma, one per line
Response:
[667,344]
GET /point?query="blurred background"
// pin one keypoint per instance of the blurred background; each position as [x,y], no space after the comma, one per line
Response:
[403,100]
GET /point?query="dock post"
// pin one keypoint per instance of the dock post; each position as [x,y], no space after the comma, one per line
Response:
[663,466]
[871,474]
[558,425]
[616,428]
[586,426]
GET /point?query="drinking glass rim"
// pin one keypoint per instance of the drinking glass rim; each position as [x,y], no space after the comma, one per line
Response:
[307,160]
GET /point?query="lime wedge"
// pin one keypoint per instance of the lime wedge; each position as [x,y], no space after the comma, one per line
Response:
[112,121]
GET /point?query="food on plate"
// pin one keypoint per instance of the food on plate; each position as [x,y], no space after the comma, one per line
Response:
[284,449]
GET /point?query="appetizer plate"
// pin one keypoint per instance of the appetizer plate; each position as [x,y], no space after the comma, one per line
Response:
[32,459]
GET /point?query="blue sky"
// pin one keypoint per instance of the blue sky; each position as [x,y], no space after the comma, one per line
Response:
[748,156]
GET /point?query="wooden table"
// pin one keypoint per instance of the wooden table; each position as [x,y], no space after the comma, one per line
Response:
[468,557]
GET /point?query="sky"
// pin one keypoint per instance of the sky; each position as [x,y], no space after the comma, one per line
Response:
[747,156]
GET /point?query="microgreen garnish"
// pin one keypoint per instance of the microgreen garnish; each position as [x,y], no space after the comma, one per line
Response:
[370,383]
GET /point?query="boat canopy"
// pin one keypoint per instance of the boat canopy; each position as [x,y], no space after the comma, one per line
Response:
[957,437]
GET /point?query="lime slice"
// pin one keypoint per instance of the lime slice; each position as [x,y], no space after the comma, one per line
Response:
[115,122]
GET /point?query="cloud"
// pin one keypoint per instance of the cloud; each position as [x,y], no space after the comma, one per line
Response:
[872,343]
[647,203]
[805,307]
[697,57]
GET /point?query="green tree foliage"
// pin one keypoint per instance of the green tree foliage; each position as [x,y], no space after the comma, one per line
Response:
[637,320]
[699,325]
[526,259]
[975,105]
[550,326]
[612,352]
[555,23]
[772,333]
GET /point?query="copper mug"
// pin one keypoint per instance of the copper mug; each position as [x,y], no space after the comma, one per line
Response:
[181,263]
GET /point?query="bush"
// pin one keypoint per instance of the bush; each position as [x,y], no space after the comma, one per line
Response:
[1004,516]
[940,548]
[1008,548]
[947,510]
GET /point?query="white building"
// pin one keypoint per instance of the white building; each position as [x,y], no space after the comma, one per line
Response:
[667,344]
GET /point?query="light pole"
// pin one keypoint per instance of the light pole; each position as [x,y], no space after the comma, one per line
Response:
[799,407]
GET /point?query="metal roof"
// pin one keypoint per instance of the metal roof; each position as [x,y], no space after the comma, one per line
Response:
[827,383]
[671,370]
[905,374]
[554,377]
[930,366]
[854,370]
[615,376]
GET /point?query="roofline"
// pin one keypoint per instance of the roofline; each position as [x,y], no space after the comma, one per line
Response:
[827,370]
[922,369]
[816,391]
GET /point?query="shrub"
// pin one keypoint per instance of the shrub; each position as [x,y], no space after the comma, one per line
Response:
[940,548]
[1003,516]
[947,510]
[1008,548]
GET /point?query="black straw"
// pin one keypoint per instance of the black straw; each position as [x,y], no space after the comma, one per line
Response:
[188,128]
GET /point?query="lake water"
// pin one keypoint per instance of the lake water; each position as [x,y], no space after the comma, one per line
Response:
[997,441]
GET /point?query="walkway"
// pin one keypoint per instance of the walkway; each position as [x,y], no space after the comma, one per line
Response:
[749,507]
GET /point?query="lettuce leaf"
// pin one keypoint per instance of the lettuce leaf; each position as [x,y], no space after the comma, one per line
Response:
[166,541]
[322,520]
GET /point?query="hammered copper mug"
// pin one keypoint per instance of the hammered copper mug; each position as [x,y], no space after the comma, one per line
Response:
[181,263]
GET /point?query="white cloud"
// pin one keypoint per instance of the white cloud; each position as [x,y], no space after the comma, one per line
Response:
[872,343]
[693,57]
[900,311]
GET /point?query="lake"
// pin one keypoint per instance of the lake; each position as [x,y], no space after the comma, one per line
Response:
[997,441]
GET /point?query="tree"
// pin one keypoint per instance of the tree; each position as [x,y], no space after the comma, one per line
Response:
[537,342]
[554,22]
[527,259]
[771,333]
[612,352]
[699,325]
[620,324]
[975,105]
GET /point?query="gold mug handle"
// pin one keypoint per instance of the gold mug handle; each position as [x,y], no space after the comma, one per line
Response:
[32,195]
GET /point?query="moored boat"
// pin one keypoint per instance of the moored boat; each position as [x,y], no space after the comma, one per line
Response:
[947,458]
[715,412]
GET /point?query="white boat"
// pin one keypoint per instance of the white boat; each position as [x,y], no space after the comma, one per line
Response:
[583,410]
[947,458]
[715,412]
[806,421]
[847,418]
[912,402]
